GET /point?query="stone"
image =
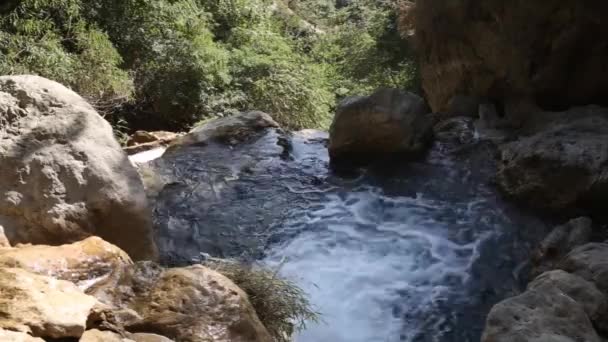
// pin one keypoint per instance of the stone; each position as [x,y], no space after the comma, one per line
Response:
[95,335]
[4,243]
[15,336]
[63,175]
[42,306]
[185,304]
[559,162]
[142,141]
[229,130]
[539,315]
[593,301]
[559,243]
[549,53]
[590,262]
[143,337]
[389,122]
[84,263]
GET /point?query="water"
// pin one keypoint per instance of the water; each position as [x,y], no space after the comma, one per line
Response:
[410,252]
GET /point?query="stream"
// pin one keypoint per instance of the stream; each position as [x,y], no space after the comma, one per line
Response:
[413,252]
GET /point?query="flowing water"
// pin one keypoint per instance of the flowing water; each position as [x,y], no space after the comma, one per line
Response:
[412,252]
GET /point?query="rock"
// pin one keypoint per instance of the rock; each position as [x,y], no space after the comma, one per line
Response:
[230,130]
[560,163]
[539,315]
[389,122]
[84,263]
[63,176]
[103,336]
[14,336]
[185,304]
[455,131]
[142,337]
[590,262]
[550,53]
[215,163]
[4,243]
[594,302]
[465,106]
[560,242]
[142,141]
[42,306]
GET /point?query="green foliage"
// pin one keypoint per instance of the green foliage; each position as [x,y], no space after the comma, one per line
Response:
[281,305]
[165,64]
[50,38]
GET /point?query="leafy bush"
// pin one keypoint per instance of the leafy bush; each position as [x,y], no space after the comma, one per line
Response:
[281,305]
[50,38]
[166,64]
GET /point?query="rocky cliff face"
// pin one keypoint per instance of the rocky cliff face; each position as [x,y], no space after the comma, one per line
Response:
[518,53]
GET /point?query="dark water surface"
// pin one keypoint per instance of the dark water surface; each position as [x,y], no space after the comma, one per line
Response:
[413,252]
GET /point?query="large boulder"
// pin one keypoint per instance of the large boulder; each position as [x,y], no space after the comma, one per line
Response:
[63,176]
[186,304]
[585,293]
[545,314]
[560,161]
[42,306]
[549,53]
[388,122]
[590,262]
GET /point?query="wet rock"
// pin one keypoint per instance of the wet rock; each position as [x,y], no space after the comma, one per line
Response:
[546,52]
[539,314]
[389,122]
[185,304]
[103,336]
[455,131]
[84,263]
[15,336]
[560,162]
[230,130]
[42,306]
[229,160]
[559,243]
[63,176]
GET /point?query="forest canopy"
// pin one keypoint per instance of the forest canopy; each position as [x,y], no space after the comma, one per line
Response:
[167,64]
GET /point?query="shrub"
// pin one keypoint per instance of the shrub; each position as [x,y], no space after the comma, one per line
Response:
[50,38]
[281,305]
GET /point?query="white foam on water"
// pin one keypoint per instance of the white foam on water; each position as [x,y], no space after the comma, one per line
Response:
[147,156]
[361,256]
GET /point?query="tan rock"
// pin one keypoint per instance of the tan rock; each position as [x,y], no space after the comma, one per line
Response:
[42,306]
[84,263]
[63,175]
[15,336]
[4,243]
[142,141]
[102,336]
[143,337]
[186,304]
[548,52]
